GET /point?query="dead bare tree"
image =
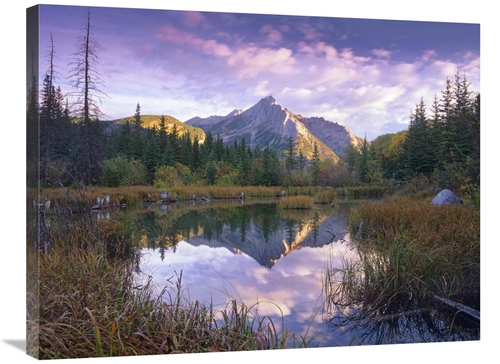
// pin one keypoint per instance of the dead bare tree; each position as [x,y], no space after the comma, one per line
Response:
[86,80]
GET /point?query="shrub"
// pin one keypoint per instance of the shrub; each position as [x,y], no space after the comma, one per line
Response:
[165,176]
[116,172]
[170,176]
[138,173]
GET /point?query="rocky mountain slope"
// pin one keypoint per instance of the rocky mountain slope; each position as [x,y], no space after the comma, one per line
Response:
[269,122]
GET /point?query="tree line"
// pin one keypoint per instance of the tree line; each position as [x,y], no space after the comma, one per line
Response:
[441,147]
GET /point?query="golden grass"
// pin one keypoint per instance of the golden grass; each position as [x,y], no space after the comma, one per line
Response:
[296,202]
[84,300]
[410,250]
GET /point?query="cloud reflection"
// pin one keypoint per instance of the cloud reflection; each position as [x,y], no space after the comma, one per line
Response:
[292,287]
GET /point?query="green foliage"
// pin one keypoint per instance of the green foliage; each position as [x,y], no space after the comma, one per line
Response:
[290,158]
[211,172]
[165,176]
[138,173]
[229,179]
[418,154]
[446,145]
[171,176]
[119,171]
[315,165]
[386,150]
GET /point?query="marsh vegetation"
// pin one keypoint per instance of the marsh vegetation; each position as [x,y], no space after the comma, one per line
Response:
[414,263]
[90,294]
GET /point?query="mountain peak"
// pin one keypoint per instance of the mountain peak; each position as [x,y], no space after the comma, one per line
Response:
[268,100]
[268,123]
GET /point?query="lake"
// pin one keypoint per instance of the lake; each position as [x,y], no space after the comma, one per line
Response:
[275,261]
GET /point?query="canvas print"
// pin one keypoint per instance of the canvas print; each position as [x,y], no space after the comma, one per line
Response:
[217,182]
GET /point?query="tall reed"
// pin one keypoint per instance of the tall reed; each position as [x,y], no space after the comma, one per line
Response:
[85,298]
[409,250]
[91,306]
[296,202]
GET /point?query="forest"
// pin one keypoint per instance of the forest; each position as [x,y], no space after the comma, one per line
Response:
[440,148]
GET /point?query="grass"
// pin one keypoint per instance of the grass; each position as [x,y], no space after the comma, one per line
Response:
[85,197]
[92,307]
[296,203]
[410,251]
[361,191]
[84,298]
[325,196]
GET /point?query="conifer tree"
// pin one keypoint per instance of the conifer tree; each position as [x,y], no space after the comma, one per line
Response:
[211,169]
[186,157]
[168,157]
[363,161]
[152,156]
[290,161]
[269,167]
[196,153]
[48,112]
[125,141]
[315,165]
[163,133]
[418,153]
[138,137]
[175,144]
[32,128]
[301,161]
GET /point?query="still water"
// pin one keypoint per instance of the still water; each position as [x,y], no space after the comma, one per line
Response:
[274,261]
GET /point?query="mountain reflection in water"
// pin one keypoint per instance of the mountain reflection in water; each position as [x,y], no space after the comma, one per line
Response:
[275,261]
[254,253]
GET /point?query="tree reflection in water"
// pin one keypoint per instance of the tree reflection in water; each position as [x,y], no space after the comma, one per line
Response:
[260,230]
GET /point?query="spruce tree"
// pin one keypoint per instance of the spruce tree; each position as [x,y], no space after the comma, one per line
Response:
[269,167]
[175,144]
[125,143]
[418,155]
[152,156]
[163,134]
[196,153]
[32,130]
[290,161]
[168,157]
[363,161]
[315,165]
[138,143]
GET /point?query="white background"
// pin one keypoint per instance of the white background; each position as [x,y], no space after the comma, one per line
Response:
[12,198]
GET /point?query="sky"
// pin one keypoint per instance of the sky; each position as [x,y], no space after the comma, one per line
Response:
[365,74]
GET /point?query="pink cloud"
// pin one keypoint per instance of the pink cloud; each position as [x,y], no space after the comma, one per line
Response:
[428,55]
[211,46]
[273,36]
[319,49]
[253,60]
[381,53]
[193,18]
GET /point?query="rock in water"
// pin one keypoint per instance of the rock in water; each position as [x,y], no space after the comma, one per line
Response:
[446,197]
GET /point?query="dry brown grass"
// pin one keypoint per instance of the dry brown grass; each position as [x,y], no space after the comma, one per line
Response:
[297,202]
[412,250]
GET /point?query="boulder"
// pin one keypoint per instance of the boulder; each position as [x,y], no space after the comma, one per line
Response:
[446,197]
